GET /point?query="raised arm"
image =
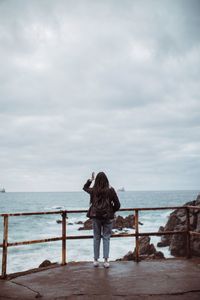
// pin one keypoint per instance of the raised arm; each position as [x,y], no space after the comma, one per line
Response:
[86,186]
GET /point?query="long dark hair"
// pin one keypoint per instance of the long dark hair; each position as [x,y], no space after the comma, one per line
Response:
[101,184]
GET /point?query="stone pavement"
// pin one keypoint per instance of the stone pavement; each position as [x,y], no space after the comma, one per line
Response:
[173,279]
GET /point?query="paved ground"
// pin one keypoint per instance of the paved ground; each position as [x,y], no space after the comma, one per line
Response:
[147,280]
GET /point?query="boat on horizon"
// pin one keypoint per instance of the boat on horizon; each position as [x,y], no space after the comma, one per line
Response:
[2,190]
[122,189]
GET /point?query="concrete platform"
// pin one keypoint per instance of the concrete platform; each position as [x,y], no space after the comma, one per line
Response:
[160,280]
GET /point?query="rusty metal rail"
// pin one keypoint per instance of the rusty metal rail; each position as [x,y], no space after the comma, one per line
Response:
[65,237]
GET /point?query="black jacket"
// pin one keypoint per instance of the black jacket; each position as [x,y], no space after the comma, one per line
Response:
[111,194]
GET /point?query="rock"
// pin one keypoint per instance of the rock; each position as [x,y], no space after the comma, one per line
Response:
[195,242]
[129,256]
[156,255]
[120,229]
[172,222]
[198,223]
[145,247]
[79,222]
[87,225]
[146,251]
[60,221]
[164,241]
[177,221]
[127,222]
[193,221]
[159,255]
[161,229]
[45,263]
[178,245]
[160,245]
[198,200]
[119,223]
[182,219]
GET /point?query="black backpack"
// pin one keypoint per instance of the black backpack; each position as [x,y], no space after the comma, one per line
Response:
[101,208]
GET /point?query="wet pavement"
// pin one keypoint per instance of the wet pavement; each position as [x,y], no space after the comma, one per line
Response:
[165,279]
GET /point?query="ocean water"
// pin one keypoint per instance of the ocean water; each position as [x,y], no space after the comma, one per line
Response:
[38,227]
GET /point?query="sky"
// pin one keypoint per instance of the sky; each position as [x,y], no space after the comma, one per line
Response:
[106,85]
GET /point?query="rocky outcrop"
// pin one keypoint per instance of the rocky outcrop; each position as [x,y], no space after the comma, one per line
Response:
[119,223]
[146,251]
[87,225]
[45,263]
[60,221]
[79,222]
[177,222]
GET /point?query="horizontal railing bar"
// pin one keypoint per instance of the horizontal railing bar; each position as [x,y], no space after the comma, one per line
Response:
[85,210]
[34,241]
[135,208]
[195,233]
[73,237]
[193,207]
[159,208]
[76,237]
[32,213]
[162,233]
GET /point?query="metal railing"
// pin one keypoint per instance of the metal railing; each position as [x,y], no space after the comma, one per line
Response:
[65,237]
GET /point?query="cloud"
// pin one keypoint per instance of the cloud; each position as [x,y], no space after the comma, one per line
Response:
[100,85]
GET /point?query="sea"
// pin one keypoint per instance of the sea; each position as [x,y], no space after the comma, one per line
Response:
[23,228]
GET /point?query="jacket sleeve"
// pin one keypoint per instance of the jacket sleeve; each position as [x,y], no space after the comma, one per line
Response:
[86,186]
[115,199]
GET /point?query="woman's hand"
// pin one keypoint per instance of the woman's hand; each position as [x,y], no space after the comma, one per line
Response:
[93,176]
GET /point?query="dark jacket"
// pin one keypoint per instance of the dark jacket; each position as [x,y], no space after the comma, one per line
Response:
[111,194]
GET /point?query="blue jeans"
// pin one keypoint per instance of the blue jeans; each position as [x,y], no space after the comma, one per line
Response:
[104,227]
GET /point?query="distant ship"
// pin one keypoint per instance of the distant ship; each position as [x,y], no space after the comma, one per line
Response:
[2,190]
[122,189]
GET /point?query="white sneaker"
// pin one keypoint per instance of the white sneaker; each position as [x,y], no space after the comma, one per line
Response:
[95,263]
[106,264]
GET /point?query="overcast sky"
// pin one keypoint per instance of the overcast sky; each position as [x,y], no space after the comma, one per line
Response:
[99,85]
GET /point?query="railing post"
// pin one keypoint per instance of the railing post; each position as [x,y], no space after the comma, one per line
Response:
[5,246]
[64,238]
[188,232]
[136,236]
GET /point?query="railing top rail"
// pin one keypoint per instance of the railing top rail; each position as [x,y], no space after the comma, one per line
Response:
[193,207]
[85,210]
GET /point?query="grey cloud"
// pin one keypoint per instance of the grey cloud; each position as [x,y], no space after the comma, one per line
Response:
[99,85]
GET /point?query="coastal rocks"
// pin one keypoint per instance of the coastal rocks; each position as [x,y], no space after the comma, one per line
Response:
[87,225]
[146,251]
[119,223]
[145,247]
[127,222]
[60,221]
[79,222]
[45,263]
[177,222]
[127,257]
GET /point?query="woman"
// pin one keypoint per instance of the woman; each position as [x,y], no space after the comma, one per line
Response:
[103,204]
